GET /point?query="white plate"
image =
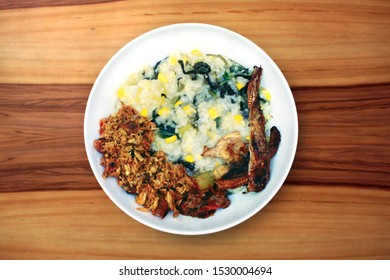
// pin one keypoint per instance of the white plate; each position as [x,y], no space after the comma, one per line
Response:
[152,47]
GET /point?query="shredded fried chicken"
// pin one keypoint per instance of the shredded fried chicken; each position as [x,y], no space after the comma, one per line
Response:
[159,185]
[231,148]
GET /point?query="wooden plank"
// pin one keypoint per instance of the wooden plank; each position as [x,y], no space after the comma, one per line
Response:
[42,144]
[335,201]
[309,222]
[313,43]
[21,4]
[342,137]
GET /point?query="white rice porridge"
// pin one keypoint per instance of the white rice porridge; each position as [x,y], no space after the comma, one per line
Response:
[192,109]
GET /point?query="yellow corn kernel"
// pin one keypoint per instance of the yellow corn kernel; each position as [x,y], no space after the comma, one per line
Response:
[189,158]
[238,119]
[178,103]
[184,58]
[171,139]
[188,109]
[267,95]
[184,129]
[162,78]
[144,112]
[120,92]
[213,113]
[172,60]
[163,111]
[239,86]
[248,138]
[196,52]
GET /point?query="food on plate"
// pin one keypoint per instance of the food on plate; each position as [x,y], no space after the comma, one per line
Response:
[188,130]
[160,185]
[255,171]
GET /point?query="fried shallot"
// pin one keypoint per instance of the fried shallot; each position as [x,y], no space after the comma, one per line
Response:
[159,185]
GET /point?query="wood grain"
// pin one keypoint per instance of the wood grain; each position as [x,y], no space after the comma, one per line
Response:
[335,202]
[311,222]
[314,43]
[344,136]
[43,138]
[342,139]
[7,5]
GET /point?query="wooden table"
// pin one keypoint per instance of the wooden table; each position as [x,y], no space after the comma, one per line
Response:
[335,203]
